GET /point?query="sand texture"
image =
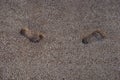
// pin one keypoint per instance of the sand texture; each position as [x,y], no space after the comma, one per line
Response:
[61,54]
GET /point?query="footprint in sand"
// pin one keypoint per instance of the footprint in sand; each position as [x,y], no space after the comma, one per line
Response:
[94,36]
[31,35]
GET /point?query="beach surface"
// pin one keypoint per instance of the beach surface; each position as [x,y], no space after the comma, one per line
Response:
[61,54]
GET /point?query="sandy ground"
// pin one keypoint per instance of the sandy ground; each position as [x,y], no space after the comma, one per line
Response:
[61,55]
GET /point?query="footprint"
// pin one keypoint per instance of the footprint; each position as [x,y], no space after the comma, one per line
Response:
[31,35]
[94,36]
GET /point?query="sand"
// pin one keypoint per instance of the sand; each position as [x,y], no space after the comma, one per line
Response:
[61,55]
